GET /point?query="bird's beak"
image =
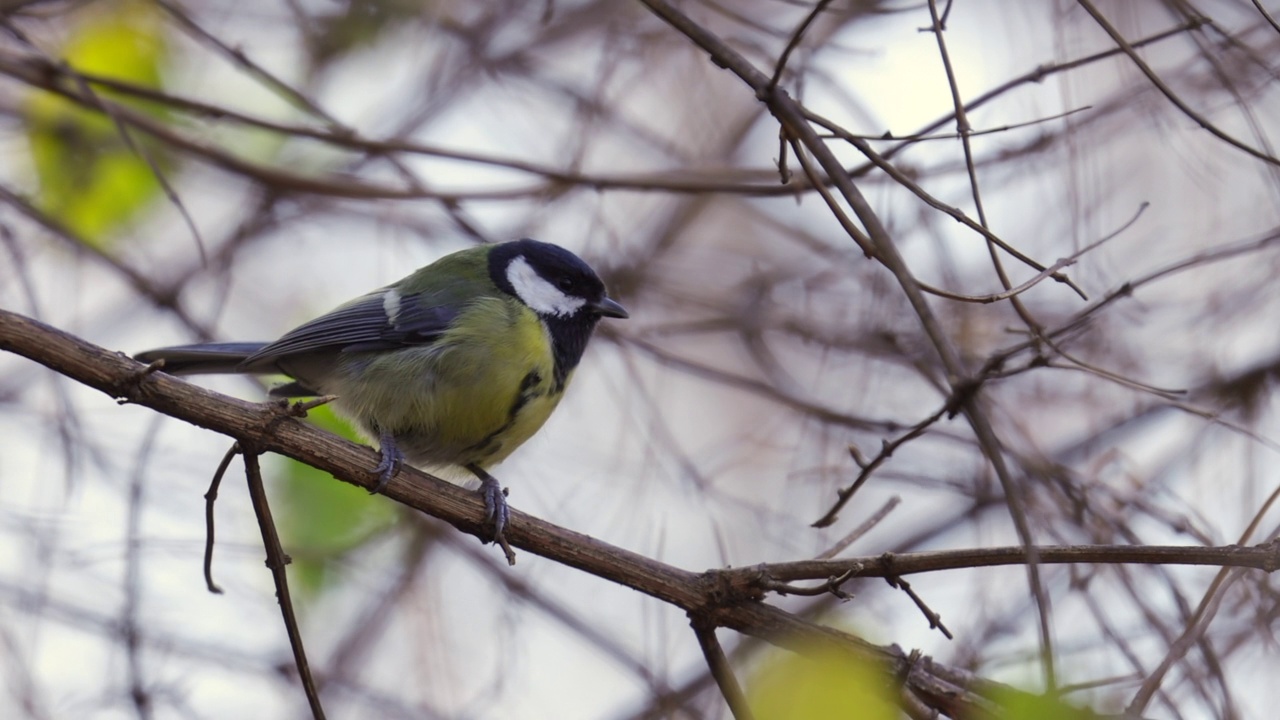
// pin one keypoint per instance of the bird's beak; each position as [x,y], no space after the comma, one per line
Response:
[609,308]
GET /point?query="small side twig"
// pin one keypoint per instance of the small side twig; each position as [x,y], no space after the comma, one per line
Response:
[211,497]
[816,180]
[887,449]
[300,408]
[1048,272]
[141,375]
[935,620]
[862,529]
[831,586]
[794,42]
[276,561]
[784,172]
[1199,621]
[1199,119]
[153,366]
[507,552]
[285,410]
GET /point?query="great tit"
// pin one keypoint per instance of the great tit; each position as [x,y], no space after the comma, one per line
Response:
[456,364]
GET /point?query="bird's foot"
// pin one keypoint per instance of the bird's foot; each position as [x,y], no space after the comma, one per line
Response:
[390,463]
[496,511]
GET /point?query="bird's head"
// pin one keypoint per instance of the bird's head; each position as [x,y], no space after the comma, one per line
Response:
[553,282]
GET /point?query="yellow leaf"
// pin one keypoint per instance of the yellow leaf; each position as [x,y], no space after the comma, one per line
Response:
[822,684]
[90,180]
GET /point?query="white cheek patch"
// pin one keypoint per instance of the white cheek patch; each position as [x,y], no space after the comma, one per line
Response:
[391,305]
[537,293]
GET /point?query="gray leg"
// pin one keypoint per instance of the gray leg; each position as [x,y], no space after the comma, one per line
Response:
[495,502]
[391,461]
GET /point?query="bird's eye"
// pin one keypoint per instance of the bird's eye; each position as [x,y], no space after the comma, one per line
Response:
[565,284]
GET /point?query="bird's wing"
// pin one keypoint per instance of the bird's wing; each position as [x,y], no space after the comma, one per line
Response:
[381,320]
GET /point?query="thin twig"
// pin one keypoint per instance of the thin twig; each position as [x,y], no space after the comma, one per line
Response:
[1200,620]
[794,42]
[130,629]
[929,137]
[40,73]
[887,448]
[1036,76]
[170,193]
[238,56]
[277,560]
[859,237]
[720,669]
[302,407]
[881,162]
[935,620]
[1127,289]
[1266,15]
[1092,369]
[830,586]
[876,518]
[784,171]
[1164,89]
[1013,492]
[165,297]
[1047,272]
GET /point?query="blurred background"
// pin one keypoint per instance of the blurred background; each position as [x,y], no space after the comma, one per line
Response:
[265,161]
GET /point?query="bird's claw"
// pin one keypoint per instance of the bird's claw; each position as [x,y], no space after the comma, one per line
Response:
[496,511]
[390,463]
[497,514]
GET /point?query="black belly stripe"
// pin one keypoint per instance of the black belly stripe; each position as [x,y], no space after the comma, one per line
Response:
[522,398]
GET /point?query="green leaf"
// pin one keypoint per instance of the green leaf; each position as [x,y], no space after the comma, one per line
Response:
[1026,706]
[323,519]
[822,684]
[90,179]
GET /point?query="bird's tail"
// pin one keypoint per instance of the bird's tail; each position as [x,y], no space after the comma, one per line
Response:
[202,358]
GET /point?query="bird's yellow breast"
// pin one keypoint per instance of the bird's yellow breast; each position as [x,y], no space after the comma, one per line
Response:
[480,391]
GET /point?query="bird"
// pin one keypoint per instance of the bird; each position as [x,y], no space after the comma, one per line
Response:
[457,364]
